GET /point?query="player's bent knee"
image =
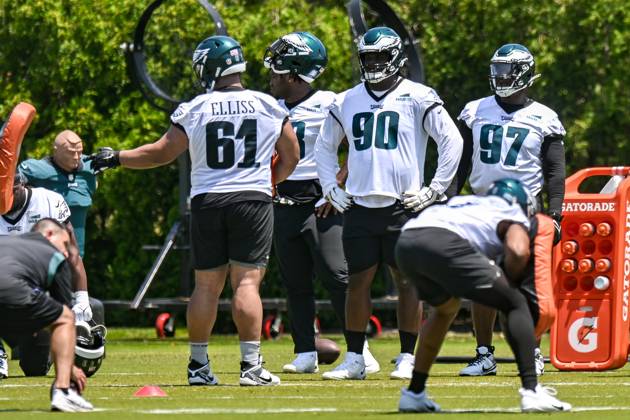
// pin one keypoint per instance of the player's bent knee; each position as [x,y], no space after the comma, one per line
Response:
[66,317]
[35,364]
[448,308]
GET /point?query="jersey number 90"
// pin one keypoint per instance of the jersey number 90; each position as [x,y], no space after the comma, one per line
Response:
[225,144]
[384,135]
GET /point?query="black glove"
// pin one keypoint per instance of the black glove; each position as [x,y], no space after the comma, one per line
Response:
[557,218]
[105,158]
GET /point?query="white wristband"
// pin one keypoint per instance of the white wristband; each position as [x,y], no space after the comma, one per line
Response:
[81,296]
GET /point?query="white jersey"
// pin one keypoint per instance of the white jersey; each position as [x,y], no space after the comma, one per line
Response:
[232,136]
[307,118]
[40,203]
[508,145]
[387,138]
[474,218]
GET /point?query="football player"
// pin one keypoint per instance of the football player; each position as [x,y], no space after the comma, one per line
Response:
[449,253]
[231,133]
[29,206]
[387,120]
[35,289]
[307,233]
[509,134]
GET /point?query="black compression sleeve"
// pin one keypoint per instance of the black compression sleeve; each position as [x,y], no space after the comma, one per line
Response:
[554,172]
[463,170]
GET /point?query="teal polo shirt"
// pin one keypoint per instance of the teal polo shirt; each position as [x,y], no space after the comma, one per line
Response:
[76,187]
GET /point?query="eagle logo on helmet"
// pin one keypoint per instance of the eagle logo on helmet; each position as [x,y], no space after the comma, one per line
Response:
[215,57]
[299,53]
[89,350]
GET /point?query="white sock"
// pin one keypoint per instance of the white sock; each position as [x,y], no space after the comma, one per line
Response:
[199,352]
[250,352]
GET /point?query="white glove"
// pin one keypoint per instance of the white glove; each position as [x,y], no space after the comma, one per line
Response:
[339,199]
[418,200]
[320,202]
[81,308]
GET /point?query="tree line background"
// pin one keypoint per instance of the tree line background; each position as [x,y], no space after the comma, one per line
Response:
[64,57]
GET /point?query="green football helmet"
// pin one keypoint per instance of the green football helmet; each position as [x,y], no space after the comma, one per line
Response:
[512,69]
[215,57]
[299,53]
[376,41]
[514,192]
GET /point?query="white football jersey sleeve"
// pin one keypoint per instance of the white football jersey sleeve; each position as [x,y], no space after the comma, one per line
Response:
[474,218]
[328,140]
[508,145]
[42,204]
[388,137]
[232,136]
[307,119]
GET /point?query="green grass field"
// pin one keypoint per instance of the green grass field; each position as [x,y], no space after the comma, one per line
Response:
[136,358]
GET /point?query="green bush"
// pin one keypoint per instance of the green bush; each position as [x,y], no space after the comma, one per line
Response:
[64,57]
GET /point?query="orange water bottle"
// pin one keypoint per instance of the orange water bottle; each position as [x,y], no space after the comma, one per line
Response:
[568,265]
[585,265]
[602,265]
[570,247]
[587,229]
[604,229]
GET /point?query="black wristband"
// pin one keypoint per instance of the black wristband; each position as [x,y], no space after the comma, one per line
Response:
[555,216]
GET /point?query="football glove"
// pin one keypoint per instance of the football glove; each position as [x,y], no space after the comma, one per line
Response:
[339,199]
[419,200]
[81,308]
[105,158]
[557,234]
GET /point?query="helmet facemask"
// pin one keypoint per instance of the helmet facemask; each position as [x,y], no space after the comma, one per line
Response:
[512,69]
[89,350]
[381,59]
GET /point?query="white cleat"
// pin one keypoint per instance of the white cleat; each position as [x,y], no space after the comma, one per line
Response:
[540,362]
[303,363]
[371,364]
[69,401]
[353,367]
[482,365]
[541,400]
[411,402]
[199,374]
[404,366]
[257,375]
[4,365]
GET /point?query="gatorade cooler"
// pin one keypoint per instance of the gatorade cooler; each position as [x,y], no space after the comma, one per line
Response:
[591,269]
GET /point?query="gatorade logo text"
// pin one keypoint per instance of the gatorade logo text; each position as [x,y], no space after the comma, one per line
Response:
[568,207]
[626,266]
[583,335]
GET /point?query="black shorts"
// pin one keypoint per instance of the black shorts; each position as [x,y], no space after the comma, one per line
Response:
[24,310]
[442,264]
[238,233]
[370,235]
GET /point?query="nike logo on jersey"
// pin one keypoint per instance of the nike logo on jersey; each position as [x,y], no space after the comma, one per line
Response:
[506,118]
[374,106]
[404,97]
[535,117]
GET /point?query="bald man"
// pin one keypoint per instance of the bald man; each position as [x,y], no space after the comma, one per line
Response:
[68,173]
